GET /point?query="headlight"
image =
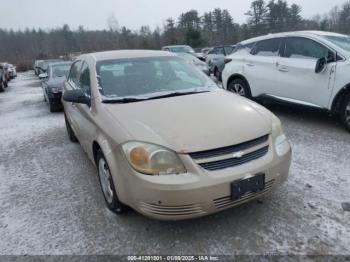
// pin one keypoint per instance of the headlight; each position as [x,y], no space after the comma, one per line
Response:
[282,145]
[152,159]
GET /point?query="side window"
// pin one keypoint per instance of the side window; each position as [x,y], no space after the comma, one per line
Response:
[85,78]
[74,74]
[267,47]
[228,50]
[220,51]
[303,48]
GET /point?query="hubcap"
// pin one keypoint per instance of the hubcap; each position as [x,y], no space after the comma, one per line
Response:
[105,178]
[347,113]
[238,89]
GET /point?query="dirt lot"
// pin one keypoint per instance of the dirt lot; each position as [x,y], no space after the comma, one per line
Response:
[51,203]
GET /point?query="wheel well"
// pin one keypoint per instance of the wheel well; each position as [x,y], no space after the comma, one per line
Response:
[337,101]
[233,77]
[236,76]
[95,148]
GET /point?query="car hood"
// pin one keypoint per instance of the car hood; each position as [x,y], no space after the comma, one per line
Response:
[193,123]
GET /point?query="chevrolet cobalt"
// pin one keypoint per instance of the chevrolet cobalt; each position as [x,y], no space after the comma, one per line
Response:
[166,140]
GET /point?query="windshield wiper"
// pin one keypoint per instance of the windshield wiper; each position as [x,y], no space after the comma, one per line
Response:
[176,94]
[124,100]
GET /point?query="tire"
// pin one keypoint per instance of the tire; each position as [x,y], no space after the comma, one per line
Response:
[107,185]
[70,131]
[53,108]
[6,84]
[2,87]
[345,112]
[239,87]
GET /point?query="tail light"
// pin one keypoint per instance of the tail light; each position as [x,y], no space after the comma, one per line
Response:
[227,60]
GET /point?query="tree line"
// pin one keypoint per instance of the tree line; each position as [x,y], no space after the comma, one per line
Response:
[212,28]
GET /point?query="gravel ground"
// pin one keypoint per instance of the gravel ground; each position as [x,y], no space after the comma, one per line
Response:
[51,203]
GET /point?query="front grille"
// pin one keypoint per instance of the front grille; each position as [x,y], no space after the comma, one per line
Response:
[184,210]
[232,162]
[229,149]
[227,202]
[222,158]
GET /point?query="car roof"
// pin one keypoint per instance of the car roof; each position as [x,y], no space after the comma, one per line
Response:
[218,46]
[170,46]
[61,63]
[286,34]
[125,54]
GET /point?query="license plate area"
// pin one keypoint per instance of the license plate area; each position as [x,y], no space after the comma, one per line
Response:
[253,184]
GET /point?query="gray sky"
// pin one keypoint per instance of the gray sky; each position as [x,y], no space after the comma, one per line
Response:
[92,14]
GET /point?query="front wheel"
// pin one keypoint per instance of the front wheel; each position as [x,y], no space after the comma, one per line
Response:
[239,87]
[107,185]
[2,87]
[345,112]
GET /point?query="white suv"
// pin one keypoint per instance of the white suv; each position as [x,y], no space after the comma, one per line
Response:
[309,67]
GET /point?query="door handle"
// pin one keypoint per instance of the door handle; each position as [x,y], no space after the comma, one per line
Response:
[250,64]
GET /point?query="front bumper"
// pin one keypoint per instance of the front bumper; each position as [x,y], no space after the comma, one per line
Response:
[55,98]
[197,193]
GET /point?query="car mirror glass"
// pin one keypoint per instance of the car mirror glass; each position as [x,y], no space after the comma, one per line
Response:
[321,65]
[76,96]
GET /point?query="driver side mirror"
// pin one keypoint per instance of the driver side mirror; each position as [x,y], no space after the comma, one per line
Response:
[321,65]
[76,96]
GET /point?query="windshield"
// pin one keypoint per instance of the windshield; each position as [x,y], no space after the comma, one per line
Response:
[147,77]
[60,70]
[341,41]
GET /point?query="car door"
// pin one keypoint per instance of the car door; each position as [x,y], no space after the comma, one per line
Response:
[85,114]
[260,66]
[296,71]
[73,82]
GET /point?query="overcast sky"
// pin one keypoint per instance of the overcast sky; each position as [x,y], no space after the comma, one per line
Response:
[93,14]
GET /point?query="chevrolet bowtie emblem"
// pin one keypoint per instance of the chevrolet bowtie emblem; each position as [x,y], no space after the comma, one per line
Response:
[238,154]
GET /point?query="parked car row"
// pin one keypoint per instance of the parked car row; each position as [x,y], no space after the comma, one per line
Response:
[186,52]
[215,57]
[7,73]
[41,66]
